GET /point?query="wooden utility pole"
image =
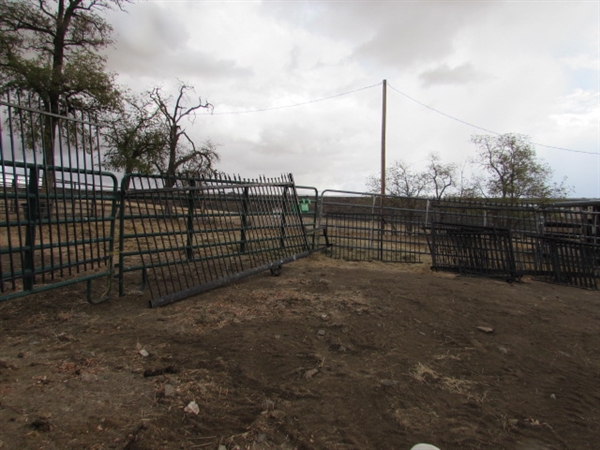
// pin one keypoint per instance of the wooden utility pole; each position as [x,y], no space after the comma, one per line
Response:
[383,124]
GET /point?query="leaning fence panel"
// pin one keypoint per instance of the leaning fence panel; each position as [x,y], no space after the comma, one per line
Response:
[57,210]
[185,235]
[470,249]
[555,242]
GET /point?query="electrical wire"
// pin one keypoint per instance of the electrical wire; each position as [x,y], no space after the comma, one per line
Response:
[464,122]
[295,104]
[481,128]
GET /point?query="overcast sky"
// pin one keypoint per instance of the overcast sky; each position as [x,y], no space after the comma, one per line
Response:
[530,67]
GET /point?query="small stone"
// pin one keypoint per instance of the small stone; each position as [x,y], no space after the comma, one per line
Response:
[310,373]
[192,408]
[389,383]
[268,405]
[503,350]
[144,353]
[553,397]
[169,390]
[222,447]
[277,414]
[485,329]
[321,332]
[88,377]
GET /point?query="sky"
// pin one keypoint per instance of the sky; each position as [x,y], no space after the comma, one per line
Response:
[297,85]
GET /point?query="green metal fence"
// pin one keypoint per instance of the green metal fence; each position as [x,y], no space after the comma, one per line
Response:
[57,210]
[184,236]
[367,226]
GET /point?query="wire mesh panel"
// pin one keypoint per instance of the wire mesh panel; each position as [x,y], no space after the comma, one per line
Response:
[470,249]
[57,211]
[364,227]
[190,235]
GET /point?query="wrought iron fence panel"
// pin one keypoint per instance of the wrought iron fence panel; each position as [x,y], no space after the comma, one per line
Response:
[471,249]
[548,240]
[194,235]
[57,209]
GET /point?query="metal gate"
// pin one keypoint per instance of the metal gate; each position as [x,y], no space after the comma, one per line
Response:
[470,249]
[364,226]
[56,220]
[188,235]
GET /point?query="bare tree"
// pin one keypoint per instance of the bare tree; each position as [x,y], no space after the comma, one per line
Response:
[401,180]
[440,176]
[180,152]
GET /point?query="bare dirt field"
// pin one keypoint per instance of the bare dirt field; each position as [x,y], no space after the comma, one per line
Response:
[329,355]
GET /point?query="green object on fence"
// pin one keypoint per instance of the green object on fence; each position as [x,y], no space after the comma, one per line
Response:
[305,205]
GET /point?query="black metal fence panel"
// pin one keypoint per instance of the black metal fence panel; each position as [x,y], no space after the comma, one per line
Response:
[57,209]
[470,249]
[189,235]
[554,242]
[363,226]
[568,262]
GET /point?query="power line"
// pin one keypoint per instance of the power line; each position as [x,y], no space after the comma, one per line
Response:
[481,128]
[295,104]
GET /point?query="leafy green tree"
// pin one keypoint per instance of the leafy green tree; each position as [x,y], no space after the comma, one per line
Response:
[135,136]
[49,50]
[513,170]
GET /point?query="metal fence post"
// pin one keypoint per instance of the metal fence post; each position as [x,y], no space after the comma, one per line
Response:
[190,220]
[31,211]
[284,204]
[244,220]
[124,186]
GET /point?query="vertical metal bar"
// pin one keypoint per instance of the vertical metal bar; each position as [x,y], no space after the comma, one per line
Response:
[282,226]
[32,211]
[123,203]
[244,219]
[190,220]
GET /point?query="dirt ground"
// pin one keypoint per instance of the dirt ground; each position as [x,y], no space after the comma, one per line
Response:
[329,355]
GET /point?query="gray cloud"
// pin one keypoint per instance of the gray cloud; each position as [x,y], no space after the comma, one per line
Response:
[157,44]
[388,33]
[444,74]
[517,56]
